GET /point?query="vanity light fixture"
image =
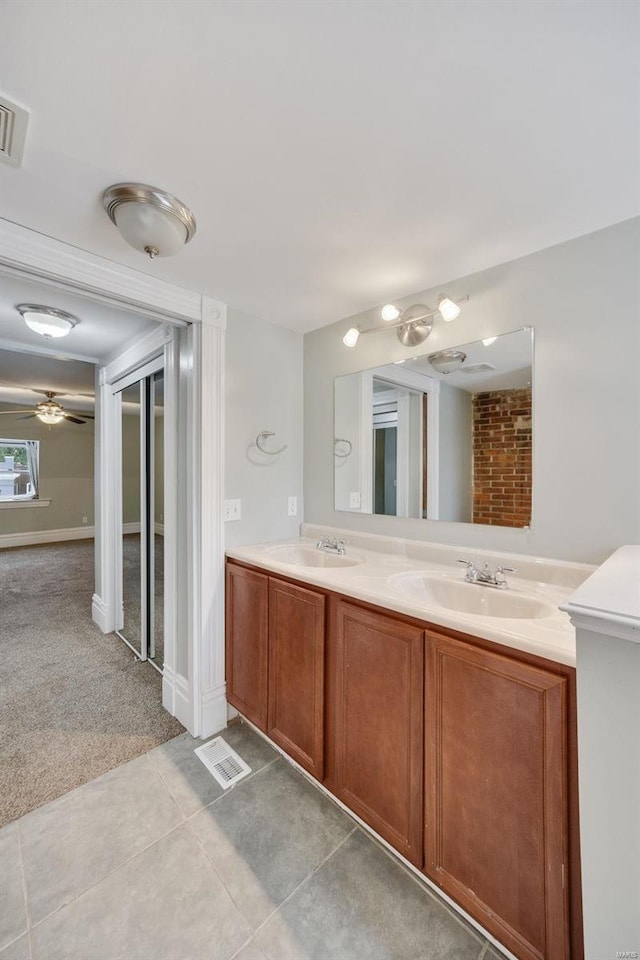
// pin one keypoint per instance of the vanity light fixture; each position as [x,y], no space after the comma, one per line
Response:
[412,325]
[447,361]
[47,321]
[151,220]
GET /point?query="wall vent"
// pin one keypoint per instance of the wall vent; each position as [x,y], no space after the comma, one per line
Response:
[13,131]
[477,368]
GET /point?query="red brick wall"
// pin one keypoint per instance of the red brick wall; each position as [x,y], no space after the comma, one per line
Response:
[502,458]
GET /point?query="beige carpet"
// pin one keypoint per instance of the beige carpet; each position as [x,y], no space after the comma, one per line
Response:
[74,703]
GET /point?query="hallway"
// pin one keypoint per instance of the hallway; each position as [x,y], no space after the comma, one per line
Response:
[74,703]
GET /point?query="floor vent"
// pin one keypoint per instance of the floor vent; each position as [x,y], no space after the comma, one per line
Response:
[222,762]
[13,131]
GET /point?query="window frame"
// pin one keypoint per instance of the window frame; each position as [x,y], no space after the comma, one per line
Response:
[21,497]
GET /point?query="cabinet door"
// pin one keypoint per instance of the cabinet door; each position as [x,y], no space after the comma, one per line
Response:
[496,793]
[246,642]
[376,723]
[296,673]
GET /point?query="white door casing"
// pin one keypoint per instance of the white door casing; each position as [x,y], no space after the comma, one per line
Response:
[194,359]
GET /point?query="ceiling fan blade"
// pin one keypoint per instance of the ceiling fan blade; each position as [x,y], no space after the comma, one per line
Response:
[8,413]
[86,416]
[29,416]
[73,419]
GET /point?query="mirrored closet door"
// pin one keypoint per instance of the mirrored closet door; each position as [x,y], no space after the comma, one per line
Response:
[141,621]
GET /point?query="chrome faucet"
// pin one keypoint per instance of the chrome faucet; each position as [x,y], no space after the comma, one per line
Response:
[331,545]
[486,577]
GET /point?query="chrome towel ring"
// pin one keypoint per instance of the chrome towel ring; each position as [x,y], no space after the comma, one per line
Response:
[260,440]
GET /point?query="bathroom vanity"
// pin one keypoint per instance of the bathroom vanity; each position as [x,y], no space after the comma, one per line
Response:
[445,725]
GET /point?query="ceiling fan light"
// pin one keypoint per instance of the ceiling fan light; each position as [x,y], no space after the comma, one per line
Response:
[390,312]
[448,309]
[50,417]
[150,220]
[351,337]
[47,321]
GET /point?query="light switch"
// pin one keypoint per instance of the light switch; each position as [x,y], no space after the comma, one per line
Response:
[232,510]
[354,501]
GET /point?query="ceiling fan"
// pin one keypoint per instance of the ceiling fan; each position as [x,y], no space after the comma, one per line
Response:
[50,411]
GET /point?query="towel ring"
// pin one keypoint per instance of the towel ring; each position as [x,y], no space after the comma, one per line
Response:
[343,456]
[263,436]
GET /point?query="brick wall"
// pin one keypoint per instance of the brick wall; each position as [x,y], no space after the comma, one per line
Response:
[502,458]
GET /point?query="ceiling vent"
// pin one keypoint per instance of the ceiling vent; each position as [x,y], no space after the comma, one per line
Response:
[478,368]
[13,131]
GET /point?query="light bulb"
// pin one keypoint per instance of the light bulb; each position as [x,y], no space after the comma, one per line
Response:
[448,309]
[351,337]
[50,417]
[389,312]
[489,341]
[48,325]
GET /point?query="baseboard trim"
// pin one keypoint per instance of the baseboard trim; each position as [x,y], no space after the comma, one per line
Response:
[33,537]
[175,698]
[213,715]
[100,615]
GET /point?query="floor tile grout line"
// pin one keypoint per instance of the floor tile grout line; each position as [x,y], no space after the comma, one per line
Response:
[108,874]
[25,891]
[229,793]
[215,869]
[483,951]
[308,877]
[240,949]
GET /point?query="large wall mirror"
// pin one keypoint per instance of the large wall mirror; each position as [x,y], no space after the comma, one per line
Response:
[440,436]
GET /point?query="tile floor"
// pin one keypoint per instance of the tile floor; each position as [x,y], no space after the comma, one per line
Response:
[154,860]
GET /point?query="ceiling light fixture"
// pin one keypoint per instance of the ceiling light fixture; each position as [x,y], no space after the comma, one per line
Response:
[412,325]
[489,341]
[47,321]
[151,220]
[447,361]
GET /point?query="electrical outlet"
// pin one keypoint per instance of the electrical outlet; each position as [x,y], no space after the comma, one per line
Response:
[85,519]
[232,510]
[292,508]
[354,501]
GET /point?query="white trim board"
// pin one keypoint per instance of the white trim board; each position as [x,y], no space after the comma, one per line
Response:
[33,537]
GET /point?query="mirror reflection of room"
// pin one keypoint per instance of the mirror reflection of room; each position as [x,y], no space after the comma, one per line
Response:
[440,436]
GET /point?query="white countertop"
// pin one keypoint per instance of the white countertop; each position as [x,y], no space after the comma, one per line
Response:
[384,558]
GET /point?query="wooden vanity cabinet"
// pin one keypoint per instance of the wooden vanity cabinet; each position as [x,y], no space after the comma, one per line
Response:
[296,673]
[375,722]
[275,661]
[246,641]
[496,811]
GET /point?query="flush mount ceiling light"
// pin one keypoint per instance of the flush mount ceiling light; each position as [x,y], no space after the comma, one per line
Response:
[151,220]
[447,361]
[412,325]
[47,321]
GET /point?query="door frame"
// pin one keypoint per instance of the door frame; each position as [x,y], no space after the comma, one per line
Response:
[196,693]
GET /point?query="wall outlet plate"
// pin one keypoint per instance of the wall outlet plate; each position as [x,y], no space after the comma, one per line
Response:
[232,510]
[355,501]
[292,507]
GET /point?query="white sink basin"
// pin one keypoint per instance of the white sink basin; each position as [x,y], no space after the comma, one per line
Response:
[300,556]
[470,598]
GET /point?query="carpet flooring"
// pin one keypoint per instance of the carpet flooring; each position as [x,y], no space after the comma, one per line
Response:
[74,702]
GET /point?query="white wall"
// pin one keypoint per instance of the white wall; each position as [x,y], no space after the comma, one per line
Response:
[263,392]
[455,462]
[582,298]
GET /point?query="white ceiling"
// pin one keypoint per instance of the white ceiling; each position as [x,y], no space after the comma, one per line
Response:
[336,155]
[102,329]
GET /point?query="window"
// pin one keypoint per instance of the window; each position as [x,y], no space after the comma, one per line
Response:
[19,469]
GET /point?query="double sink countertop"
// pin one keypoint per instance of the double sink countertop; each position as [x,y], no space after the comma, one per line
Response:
[424,580]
